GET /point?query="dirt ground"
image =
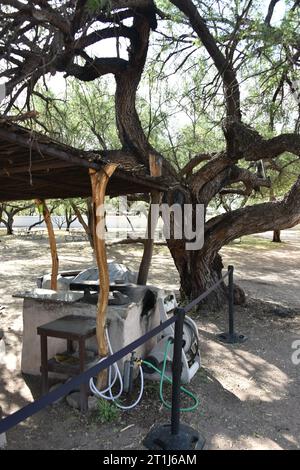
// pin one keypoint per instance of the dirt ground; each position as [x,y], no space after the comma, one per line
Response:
[249,393]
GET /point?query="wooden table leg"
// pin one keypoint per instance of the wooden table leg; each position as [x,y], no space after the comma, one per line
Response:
[44,364]
[83,387]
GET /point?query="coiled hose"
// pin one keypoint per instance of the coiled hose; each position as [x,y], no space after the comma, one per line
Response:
[107,394]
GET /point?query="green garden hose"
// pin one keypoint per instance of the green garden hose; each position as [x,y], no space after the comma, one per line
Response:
[164,377]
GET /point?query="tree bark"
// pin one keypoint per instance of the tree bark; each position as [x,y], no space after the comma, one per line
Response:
[198,270]
[128,122]
[277,236]
[10,222]
[69,218]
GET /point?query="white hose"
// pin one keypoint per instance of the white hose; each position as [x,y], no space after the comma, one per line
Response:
[107,394]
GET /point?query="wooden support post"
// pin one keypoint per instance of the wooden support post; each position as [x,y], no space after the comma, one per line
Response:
[52,241]
[155,164]
[99,181]
[84,224]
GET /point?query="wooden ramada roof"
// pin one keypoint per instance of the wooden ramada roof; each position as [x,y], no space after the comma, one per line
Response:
[33,165]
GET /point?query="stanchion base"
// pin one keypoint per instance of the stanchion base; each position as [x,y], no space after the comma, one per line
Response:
[161,438]
[231,338]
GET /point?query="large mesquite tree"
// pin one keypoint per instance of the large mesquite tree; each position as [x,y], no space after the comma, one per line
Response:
[44,37]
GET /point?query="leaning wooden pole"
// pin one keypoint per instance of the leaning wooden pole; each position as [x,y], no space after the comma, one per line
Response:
[55,262]
[155,164]
[99,181]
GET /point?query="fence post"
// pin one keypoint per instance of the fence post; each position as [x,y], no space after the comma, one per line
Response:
[175,436]
[231,301]
[231,337]
[2,361]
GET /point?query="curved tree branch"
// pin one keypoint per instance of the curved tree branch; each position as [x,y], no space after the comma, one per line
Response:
[271,8]
[250,180]
[271,148]
[96,68]
[209,175]
[195,161]
[231,86]
[105,33]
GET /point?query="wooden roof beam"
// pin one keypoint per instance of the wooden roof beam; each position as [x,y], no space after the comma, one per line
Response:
[33,144]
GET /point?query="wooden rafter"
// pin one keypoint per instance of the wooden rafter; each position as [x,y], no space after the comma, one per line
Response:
[44,168]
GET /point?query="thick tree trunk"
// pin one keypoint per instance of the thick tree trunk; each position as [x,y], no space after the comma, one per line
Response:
[129,125]
[9,229]
[198,272]
[69,219]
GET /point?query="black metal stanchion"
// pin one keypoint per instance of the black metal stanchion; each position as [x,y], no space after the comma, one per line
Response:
[231,337]
[175,436]
[3,442]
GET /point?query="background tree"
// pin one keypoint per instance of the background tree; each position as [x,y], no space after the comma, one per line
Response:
[8,213]
[83,209]
[234,69]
